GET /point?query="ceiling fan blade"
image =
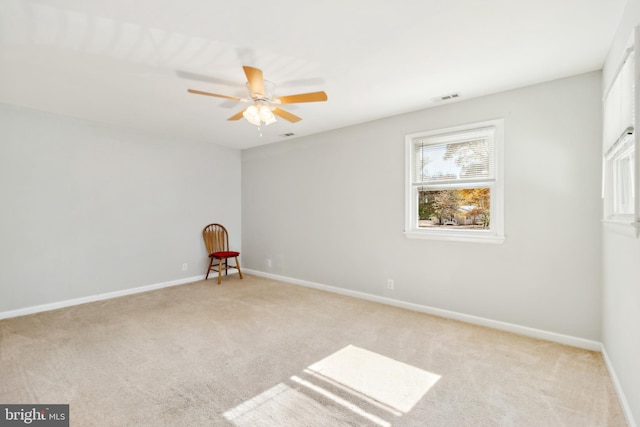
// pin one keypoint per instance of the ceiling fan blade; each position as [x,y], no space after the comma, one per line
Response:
[198,92]
[286,115]
[255,79]
[303,97]
[236,116]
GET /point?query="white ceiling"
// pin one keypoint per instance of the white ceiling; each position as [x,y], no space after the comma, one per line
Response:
[130,62]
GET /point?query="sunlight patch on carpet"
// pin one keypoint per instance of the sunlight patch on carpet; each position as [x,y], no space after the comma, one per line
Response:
[342,402]
[381,378]
[281,405]
[363,380]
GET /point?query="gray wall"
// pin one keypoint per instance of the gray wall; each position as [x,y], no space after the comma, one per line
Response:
[90,209]
[621,260]
[329,209]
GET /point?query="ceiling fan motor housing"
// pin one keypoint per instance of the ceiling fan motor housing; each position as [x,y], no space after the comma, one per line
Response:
[269,89]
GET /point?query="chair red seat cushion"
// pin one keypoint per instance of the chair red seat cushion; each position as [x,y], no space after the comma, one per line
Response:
[224,254]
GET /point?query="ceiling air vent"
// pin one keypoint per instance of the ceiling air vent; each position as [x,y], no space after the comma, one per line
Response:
[287,134]
[450,96]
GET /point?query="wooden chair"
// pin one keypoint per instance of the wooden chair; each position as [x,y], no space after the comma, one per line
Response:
[216,239]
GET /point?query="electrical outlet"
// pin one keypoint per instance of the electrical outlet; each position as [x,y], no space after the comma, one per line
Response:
[185,267]
[268,263]
[390,284]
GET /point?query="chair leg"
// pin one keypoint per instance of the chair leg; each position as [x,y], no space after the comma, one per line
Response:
[238,266]
[219,271]
[209,268]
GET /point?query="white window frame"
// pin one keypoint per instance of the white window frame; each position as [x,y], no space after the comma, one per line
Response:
[623,162]
[621,187]
[496,232]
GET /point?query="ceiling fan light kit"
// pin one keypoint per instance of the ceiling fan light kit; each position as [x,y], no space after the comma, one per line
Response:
[263,108]
[259,112]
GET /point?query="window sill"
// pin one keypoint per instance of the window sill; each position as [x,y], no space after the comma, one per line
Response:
[624,227]
[455,236]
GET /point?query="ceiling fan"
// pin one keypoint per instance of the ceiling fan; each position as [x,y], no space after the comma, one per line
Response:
[264,107]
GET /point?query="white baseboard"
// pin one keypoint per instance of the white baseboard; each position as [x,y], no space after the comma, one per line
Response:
[624,403]
[475,320]
[495,324]
[97,297]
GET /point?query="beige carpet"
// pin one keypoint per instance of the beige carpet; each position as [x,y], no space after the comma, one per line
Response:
[257,352]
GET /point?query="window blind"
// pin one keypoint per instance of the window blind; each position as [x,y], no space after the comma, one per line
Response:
[619,105]
[460,157]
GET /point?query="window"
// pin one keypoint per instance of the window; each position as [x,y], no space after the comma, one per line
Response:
[623,196]
[454,185]
[619,176]
[620,190]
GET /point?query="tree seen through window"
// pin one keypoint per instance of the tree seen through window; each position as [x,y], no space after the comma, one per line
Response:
[459,208]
